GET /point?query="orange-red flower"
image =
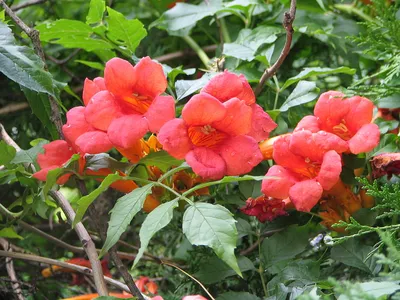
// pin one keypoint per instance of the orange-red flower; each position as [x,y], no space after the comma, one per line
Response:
[212,137]
[307,164]
[146,285]
[264,208]
[348,118]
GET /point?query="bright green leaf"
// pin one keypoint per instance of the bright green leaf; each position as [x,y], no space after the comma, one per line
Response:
[122,214]
[213,226]
[124,32]
[10,233]
[304,92]
[30,155]
[309,72]
[85,201]
[91,64]
[23,66]
[155,221]
[7,153]
[96,11]
[160,159]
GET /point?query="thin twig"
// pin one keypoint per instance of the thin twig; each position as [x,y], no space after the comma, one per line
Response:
[37,46]
[49,261]
[26,4]
[191,277]
[11,272]
[13,108]
[64,60]
[86,241]
[287,24]
[7,139]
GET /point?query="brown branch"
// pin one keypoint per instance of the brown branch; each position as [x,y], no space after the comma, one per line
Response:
[179,54]
[49,261]
[11,272]
[287,24]
[7,139]
[13,108]
[86,241]
[26,4]
[37,46]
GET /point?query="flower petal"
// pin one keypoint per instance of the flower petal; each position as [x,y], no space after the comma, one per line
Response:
[206,163]
[237,120]
[366,139]
[308,123]
[94,142]
[175,139]
[330,109]
[120,77]
[125,131]
[363,109]
[203,109]
[261,123]
[102,110]
[76,124]
[151,80]
[161,111]
[55,153]
[331,166]
[279,184]
[286,158]
[241,154]
[42,175]
[91,88]
[228,85]
[305,194]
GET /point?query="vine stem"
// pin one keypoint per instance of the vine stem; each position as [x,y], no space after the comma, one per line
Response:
[63,264]
[86,241]
[196,48]
[287,24]
[260,268]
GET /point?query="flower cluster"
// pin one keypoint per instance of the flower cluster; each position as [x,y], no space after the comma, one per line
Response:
[220,128]
[308,161]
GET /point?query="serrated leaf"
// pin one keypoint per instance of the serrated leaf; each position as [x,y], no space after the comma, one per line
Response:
[96,162]
[23,66]
[122,214]
[85,201]
[213,226]
[215,270]
[186,88]
[124,32]
[304,92]
[308,72]
[71,34]
[10,233]
[30,155]
[96,11]
[160,159]
[7,153]
[160,217]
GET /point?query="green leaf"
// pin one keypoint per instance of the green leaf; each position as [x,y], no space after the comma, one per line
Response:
[40,105]
[388,143]
[85,201]
[186,88]
[10,233]
[391,102]
[237,296]
[304,92]
[160,159]
[122,214]
[91,64]
[96,11]
[96,162]
[285,245]
[215,270]
[30,155]
[309,72]
[378,289]
[23,66]
[7,153]
[71,34]
[155,221]
[213,226]
[355,254]
[124,32]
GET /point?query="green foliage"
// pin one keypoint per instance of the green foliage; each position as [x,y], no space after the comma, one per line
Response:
[160,159]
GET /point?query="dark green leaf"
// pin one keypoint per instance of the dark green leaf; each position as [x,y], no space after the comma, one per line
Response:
[85,201]
[390,102]
[7,153]
[237,296]
[213,226]
[155,221]
[215,270]
[30,155]
[160,159]
[96,11]
[124,32]
[22,65]
[122,214]
[91,64]
[304,92]
[96,162]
